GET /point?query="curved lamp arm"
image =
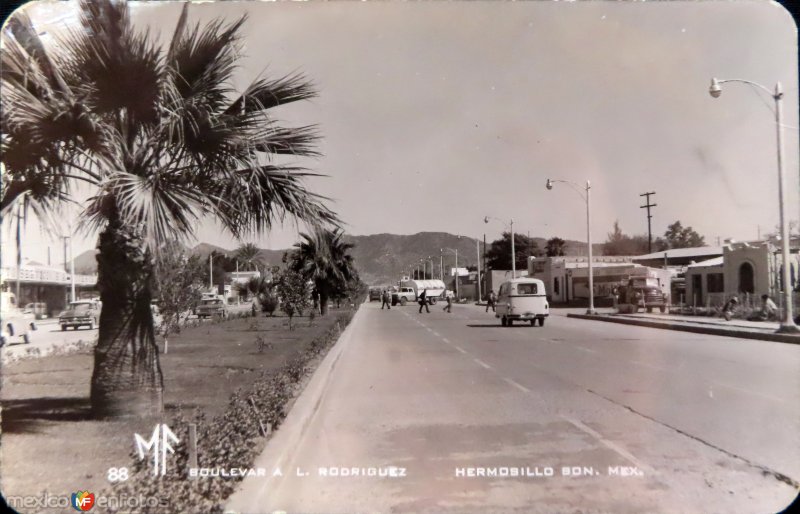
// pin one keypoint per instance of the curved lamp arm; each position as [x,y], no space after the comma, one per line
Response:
[578,189]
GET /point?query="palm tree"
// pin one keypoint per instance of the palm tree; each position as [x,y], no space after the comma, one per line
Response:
[323,258]
[248,254]
[162,141]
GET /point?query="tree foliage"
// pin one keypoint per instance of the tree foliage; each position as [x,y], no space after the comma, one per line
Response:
[179,284]
[499,253]
[294,293]
[555,247]
[323,257]
[678,236]
[249,257]
[619,243]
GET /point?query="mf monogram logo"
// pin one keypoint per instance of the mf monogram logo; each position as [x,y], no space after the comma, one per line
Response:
[159,444]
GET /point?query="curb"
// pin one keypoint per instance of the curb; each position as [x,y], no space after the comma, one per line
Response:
[728,332]
[279,449]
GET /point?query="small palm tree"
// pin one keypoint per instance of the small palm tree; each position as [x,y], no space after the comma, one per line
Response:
[248,254]
[162,141]
[323,257]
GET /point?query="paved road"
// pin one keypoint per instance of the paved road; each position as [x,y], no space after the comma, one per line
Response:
[650,420]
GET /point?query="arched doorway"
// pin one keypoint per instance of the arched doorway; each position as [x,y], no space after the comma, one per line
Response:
[746,280]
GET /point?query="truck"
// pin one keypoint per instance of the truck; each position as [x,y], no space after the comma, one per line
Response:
[641,293]
[409,290]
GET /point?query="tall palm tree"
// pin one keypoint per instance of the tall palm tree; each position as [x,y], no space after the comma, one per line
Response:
[323,257]
[163,141]
[248,254]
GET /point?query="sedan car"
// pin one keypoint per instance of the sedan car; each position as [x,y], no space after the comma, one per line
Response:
[80,313]
[212,307]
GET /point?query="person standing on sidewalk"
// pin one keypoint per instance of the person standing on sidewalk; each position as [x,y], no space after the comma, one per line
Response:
[449,306]
[491,300]
[423,301]
[386,299]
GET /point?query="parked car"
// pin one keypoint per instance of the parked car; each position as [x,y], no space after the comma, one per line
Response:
[17,326]
[375,293]
[522,299]
[81,313]
[38,310]
[212,307]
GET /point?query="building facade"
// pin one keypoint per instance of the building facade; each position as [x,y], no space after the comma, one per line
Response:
[747,270]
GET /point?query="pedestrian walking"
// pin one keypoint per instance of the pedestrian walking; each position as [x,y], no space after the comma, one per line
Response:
[386,299]
[423,301]
[449,306]
[491,300]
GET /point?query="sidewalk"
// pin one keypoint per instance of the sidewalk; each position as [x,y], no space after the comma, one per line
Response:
[762,330]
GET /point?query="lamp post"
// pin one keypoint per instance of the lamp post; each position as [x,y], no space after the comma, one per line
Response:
[456,252]
[441,265]
[787,324]
[513,253]
[586,197]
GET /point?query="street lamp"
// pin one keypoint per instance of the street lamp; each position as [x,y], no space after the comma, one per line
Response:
[456,252]
[513,253]
[586,197]
[715,90]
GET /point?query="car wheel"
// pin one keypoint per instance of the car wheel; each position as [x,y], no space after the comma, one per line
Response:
[403,301]
[433,301]
[509,322]
[541,322]
[649,310]
[63,328]
[504,321]
[663,308]
[533,322]
[91,324]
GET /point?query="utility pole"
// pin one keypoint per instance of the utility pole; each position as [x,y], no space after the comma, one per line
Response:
[649,216]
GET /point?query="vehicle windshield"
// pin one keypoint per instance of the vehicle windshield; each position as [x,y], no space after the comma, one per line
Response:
[80,308]
[211,302]
[527,289]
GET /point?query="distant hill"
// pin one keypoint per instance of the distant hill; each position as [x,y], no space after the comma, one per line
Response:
[379,258]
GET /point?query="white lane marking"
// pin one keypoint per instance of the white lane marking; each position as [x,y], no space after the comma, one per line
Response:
[585,349]
[765,396]
[459,349]
[517,385]
[482,363]
[618,449]
[446,340]
[436,333]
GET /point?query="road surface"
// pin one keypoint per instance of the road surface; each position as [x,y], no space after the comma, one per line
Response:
[462,415]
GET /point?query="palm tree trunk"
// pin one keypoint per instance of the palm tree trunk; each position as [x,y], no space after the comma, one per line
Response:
[323,302]
[127,379]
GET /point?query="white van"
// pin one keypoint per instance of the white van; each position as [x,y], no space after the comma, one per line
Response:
[522,299]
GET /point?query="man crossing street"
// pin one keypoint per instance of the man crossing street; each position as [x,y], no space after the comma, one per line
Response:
[423,301]
[386,299]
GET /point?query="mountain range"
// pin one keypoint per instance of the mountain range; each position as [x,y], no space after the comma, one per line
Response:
[379,258]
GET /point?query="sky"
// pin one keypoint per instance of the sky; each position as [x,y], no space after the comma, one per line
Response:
[437,114]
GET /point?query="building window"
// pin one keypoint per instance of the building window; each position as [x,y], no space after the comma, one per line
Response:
[746,278]
[556,288]
[715,283]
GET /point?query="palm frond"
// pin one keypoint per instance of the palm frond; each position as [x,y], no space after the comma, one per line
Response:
[290,141]
[265,94]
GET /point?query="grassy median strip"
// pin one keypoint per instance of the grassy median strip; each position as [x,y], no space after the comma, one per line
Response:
[232,379]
